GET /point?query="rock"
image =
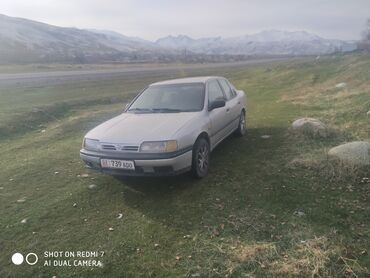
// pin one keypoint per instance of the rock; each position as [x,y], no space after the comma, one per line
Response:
[84,175]
[365,180]
[56,173]
[111,229]
[22,200]
[356,153]
[43,131]
[265,136]
[74,205]
[92,186]
[310,126]
[24,221]
[120,215]
[299,213]
[341,85]
[156,245]
[368,113]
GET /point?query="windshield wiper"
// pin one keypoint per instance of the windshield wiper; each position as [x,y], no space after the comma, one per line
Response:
[167,110]
[140,110]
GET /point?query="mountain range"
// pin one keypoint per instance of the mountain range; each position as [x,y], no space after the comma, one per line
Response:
[28,41]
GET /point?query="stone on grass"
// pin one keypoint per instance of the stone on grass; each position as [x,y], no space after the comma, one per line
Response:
[22,200]
[310,126]
[299,213]
[341,85]
[265,136]
[368,113]
[365,180]
[24,221]
[355,153]
[92,186]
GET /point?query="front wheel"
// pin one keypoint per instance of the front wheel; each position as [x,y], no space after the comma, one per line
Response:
[241,130]
[200,163]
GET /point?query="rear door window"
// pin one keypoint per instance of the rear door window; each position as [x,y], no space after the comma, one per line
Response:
[226,88]
[214,91]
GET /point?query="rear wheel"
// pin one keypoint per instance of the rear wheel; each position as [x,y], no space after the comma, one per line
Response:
[200,163]
[242,129]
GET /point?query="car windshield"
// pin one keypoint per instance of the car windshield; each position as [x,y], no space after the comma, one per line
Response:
[188,97]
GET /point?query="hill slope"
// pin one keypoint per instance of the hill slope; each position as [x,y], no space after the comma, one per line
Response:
[27,41]
[23,40]
[270,42]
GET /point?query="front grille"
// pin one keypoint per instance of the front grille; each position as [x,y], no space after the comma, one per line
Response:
[108,147]
[119,147]
[130,148]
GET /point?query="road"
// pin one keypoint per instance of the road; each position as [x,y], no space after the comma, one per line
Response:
[57,77]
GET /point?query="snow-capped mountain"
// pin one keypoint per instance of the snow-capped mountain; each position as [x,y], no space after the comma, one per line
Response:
[270,42]
[23,40]
[27,41]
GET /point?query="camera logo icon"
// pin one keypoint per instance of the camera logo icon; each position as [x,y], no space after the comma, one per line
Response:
[31,258]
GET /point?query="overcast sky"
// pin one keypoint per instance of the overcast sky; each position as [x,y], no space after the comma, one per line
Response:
[339,19]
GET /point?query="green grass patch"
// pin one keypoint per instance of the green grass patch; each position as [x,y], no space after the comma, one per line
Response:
[269,208]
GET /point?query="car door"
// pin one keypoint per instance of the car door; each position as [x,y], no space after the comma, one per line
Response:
[233,105]
[218,117]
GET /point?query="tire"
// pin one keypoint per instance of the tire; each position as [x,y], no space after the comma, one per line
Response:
[242,129]
[201,156]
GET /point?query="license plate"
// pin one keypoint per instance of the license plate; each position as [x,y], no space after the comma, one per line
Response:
[117,164]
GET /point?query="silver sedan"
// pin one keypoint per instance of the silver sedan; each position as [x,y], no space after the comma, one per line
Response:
[171,127]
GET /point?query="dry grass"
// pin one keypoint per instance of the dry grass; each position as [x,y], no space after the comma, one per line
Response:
[308,258]
[255,252]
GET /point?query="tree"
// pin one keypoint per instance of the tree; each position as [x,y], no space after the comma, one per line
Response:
[364,44]
[366,33]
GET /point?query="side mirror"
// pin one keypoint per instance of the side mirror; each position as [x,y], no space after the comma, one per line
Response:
[216,104]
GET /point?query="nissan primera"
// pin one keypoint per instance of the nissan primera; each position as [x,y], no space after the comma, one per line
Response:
[169,128]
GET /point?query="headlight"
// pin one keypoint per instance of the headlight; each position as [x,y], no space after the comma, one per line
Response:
[91,145]
[159,146]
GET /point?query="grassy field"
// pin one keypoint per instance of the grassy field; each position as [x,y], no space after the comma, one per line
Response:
[269,207]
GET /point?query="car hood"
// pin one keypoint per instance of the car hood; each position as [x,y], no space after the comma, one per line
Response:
[136,128]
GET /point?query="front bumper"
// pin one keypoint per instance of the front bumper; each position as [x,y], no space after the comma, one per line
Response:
[150,165]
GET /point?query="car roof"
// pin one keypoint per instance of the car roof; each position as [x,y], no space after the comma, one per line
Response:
[198,79]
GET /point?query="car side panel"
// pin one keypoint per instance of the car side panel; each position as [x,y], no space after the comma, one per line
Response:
[189,132]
